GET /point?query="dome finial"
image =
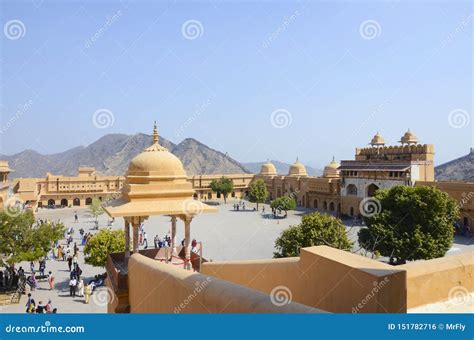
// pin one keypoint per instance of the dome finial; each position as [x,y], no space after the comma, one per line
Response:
[155,134]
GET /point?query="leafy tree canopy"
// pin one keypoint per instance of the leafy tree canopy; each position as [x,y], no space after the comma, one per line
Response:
[284,203]
[21,239]
[222,186]
[258,192]
[413,223]
[96,208]
[102,244]
[315,229]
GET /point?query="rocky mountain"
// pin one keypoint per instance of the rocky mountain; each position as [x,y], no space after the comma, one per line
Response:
[111,154]
[281,167]
[459,169]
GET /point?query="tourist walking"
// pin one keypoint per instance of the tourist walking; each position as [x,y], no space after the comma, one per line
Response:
[30,304]
[80,288]
[51,280]
[72,287]
[87,293]
[76,218]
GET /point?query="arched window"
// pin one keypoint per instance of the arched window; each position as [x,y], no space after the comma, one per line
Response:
[371,190]
[351,190]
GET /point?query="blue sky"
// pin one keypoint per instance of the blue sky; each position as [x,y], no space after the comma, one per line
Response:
[332,73]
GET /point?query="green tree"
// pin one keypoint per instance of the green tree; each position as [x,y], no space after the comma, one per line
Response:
[102,244]
[96,208]
[223,186]
[258,192]
[284,203]
[315,229]
[412,223]
[21,239]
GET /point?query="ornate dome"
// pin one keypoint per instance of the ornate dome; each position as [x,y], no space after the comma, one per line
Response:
[156,161]
[377,140]
[331,170]
[409,138]
[297,169]
[268,169]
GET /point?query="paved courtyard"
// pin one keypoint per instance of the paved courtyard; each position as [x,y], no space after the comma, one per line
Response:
[226,235]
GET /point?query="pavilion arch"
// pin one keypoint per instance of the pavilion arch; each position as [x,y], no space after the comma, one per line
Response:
[371,190]
[76,202]
[51,202]
[88,201]
[64,202]
[351,190]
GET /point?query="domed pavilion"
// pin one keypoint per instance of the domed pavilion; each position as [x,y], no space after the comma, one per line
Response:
[297,169]
[156,184]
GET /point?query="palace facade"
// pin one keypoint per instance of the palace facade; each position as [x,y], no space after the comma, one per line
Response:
[4,184]
[340,190]
[78,191]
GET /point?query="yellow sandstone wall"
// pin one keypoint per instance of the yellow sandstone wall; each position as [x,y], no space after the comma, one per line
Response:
[324,278]
[436,280]
[156,287]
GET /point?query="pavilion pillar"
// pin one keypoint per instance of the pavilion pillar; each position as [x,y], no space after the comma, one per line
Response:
[127,238]
[135,226]
[187,242]
[173,235]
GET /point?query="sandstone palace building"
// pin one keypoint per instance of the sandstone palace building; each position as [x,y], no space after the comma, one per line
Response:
[339,191]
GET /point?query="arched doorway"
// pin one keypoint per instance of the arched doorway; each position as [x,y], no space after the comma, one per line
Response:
[64,202]
[51,202]
[76,202]
[315,203]
[352,211]
[209,195]
[331,206]
[371,190]
[195,196]
[88,201]
[233,194]
[325,205]
[339,207]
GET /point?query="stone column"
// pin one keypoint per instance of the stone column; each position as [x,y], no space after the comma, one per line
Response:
[187,242]
[136,226]
[173,235]
[127,238]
